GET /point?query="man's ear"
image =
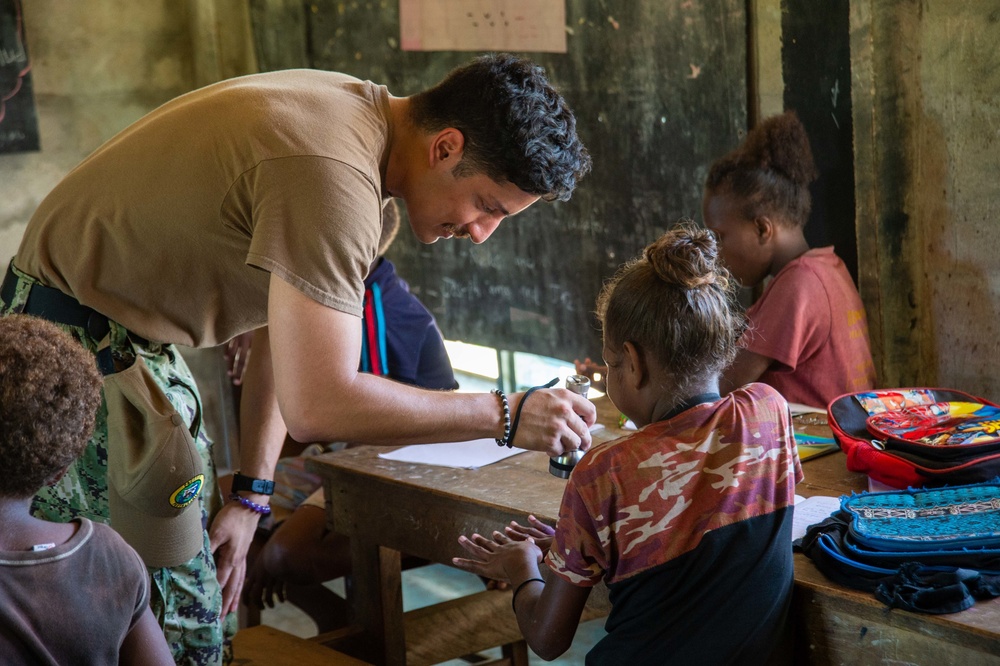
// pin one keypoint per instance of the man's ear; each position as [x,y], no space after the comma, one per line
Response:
[634,365]
[447,147]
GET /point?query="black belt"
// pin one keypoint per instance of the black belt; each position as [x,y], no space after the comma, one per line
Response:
[51,304]
[55,306]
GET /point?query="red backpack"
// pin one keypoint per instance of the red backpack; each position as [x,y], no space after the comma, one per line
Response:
[918,437]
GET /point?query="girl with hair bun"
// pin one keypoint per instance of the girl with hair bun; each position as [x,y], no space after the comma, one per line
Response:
[688,520]
[808,335]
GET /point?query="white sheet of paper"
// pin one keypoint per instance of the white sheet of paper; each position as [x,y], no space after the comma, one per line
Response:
[472,454]
[812,510]
[468,455]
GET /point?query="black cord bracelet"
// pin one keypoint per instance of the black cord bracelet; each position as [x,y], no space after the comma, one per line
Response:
[524,398]
[513,597]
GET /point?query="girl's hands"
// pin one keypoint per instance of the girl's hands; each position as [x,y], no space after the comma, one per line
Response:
[539,532]
[595,372]
[261,588]
[500,558]
[237,353]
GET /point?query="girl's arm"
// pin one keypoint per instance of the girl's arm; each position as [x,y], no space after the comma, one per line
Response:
[548,613]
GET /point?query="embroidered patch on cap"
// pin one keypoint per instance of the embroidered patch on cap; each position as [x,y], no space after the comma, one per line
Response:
[187,493]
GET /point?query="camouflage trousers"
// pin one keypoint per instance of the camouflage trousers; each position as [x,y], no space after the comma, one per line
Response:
[186,599]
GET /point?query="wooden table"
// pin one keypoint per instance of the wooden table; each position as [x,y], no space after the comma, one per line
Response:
[389,507]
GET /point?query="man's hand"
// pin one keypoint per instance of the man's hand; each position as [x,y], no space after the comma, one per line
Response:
[230,535]
[554,421]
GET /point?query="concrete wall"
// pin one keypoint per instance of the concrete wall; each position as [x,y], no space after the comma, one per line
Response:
[97,66]
[927,132]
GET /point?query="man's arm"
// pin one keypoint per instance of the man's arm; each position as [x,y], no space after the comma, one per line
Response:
[323,397]
[262,430]
[746,368]
[262,433]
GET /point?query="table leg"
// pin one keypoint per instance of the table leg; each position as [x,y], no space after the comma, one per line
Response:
[376,598]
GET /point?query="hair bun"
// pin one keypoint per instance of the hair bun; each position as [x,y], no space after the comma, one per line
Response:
[687,256]
[780,144]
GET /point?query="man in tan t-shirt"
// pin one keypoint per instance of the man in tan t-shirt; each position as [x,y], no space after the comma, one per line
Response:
[256,204]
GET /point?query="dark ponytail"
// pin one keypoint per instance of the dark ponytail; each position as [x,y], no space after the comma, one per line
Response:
[770,172]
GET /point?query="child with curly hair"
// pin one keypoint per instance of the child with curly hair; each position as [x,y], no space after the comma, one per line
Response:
[689,519]
[70,593]
[808,335]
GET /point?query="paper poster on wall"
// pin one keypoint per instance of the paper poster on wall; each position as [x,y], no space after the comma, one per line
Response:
[483,25]
[18,121]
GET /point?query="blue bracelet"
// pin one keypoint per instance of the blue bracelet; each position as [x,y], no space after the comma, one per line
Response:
[262,509]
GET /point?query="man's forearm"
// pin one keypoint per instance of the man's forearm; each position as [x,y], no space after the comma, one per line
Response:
[262,430]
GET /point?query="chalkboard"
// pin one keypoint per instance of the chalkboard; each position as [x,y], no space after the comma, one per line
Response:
[18,121]
[659,90]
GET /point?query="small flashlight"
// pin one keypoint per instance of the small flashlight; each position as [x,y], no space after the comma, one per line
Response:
[563,464]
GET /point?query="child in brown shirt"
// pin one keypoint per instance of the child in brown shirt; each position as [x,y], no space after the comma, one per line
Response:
[70,593]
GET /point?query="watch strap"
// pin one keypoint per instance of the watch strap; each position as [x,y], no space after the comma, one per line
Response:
[250,484]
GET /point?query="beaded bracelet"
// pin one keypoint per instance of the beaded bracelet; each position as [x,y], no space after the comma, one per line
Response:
[262,509]
[513,597]
[506,419]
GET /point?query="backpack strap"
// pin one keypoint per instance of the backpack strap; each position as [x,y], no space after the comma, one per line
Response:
[934,590]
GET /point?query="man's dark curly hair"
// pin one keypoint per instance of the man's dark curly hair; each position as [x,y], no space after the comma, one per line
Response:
[517,128]
[770,171]
[50,390]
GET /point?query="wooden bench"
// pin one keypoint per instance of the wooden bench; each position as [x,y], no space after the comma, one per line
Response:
[457,628]
[266,646]
[464,626]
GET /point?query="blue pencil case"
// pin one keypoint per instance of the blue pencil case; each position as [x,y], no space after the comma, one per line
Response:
[926,519]
[931,550]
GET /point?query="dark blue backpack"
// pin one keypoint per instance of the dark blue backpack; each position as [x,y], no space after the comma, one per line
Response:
[932,550]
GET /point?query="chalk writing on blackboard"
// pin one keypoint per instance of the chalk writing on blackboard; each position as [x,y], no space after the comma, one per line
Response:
[18,121]
[483,25]
[652,133]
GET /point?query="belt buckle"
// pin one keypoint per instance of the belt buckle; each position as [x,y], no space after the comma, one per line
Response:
[97,325]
